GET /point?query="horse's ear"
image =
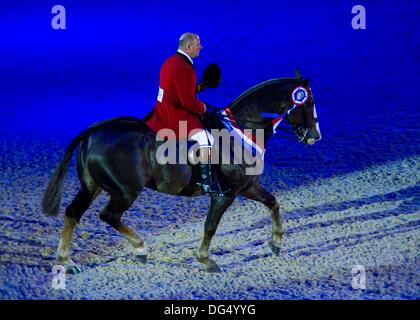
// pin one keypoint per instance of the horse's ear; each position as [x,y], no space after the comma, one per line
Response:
[297,74]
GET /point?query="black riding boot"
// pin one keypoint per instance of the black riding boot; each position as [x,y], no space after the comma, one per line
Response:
[207,187]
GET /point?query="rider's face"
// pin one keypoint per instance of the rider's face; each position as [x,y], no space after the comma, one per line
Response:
[195,47]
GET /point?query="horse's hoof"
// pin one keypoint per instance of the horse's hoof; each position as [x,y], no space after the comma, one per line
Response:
[140,254]
[212,267]
[274,248]
[208,264]
[141,258]
[73,269]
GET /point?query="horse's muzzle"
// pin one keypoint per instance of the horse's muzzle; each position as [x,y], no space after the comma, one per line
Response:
[312,137]
[307,136]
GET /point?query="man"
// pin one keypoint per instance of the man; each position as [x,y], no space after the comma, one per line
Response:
[177,101]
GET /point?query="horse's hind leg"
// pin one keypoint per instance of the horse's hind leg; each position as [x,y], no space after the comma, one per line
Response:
[72,216]
[258,193]
[63,256]
[112,213]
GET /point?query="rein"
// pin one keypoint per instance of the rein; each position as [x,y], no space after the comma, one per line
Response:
[277,118]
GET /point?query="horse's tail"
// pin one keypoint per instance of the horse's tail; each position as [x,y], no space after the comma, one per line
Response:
[52,196]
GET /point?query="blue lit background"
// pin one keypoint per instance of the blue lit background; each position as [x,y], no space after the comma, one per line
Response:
[106,63]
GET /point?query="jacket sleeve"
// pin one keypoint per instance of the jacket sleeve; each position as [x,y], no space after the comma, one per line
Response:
[185,83]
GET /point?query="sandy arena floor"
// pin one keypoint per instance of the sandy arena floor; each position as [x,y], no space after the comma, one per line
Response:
[368,217]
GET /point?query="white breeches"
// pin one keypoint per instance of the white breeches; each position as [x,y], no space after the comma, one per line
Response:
[204,138]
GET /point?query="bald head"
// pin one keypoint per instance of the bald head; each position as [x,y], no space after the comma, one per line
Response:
[190,44]
[187,38]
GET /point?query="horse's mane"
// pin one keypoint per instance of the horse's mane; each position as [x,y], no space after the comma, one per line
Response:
[257,88]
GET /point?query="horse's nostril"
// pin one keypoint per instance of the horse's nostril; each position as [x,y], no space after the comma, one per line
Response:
[314,135]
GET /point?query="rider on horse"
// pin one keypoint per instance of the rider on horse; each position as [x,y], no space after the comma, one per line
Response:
[177,101]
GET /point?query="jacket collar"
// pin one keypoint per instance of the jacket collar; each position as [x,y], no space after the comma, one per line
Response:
[185,56]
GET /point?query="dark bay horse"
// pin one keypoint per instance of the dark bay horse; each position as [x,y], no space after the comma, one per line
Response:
[119,156]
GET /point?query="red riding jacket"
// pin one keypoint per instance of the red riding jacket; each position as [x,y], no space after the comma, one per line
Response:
[177,99]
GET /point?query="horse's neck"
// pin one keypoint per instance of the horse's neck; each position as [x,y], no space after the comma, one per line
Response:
[251,117]
[251,121]
[271,96]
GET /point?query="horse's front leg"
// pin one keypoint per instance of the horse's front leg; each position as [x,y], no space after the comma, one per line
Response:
[258,193]
[218,207]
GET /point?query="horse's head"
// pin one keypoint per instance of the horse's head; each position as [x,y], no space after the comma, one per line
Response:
[302,115]
[265,105]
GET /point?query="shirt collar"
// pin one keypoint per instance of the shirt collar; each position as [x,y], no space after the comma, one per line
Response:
[182,52]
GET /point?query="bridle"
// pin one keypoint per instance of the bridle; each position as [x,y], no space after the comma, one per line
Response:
[299,97]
